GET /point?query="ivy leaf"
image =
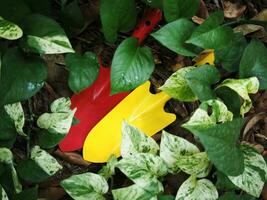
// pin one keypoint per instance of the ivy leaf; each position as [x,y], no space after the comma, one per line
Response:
[142,167]
[44,36]
[172,148]
[109,169]
[197,189]
[56,124]
[210,35]
[202,86]
[83,70]
[243,87]
[85,186]
[135,141]
[154,3]
[120,18]
[7,126]
[255,174]
[3,194]
[219,142]
[132,65]
[230,55]
[22,76]
[16,113]
[197,164]
[175,9]
[177,87]
[9,30]
[174,34]
[254,62]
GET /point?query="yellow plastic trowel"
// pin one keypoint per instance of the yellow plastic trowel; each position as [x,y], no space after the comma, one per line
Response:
[141,109]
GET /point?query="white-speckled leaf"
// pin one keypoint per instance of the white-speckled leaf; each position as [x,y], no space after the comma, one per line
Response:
[198,164]
[109,169]
[243,87]
[9,30]
[172,148]
[142,167]
[177,87]
[61,105]
[16,113]
[133,192]
[193,189]
[135,141]
[220,114]
[45,161]
[255,174]
[85,186]
[3,193]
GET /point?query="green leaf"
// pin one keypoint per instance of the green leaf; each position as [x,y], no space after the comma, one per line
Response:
[232,195]
[121,17]
[174,34]
[16,113]
[44,36]
[142,167]
[219,142]
[223,183]
[165,197]
[243,87]
[172,148]
[3,194]
[254,62]
[133,192]
[197,164]
[83,70]
[202,86]
[85,186]
[255,174]
[192,188]
[132,65]
[41,7]
[175,9]
[22,76]
[177,87]
[29,194]
[230,55]
[135,141]
[7,126]
[108,170]
[210,35]
[154,3]
[9,30]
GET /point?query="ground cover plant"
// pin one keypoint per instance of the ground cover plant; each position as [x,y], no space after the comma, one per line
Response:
[210,57]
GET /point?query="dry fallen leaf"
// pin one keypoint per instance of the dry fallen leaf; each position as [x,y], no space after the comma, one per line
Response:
[198,20]
[233,10]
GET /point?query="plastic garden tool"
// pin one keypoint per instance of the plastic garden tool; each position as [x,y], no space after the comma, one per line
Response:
[95,102]
[141,109]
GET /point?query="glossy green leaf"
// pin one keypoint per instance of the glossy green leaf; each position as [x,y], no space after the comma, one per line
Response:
[177,86]
[175,9]
[154,3]
[223,182]
[9,30]
[254,63]
[210,35]
[29,194]
[230,55]
[192,189]
[165,197]
[135,141]
[108,170]
[41,7]
[255,174]
[243,87]
[234,196]
[121,17]
[3,194]
[131,66]
[174,34]
[21,77]
[83,70]
[172,148]
[219,142]
[16,113]
[85,186]
[44,36]
[202,86]
[7,126]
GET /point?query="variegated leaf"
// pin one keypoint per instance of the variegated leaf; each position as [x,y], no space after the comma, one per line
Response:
[193,189]
[61,105]
[135,141]
[255,174]
[16,113]
[3,193]
[45,161]
[197,163]
[243,87]
[109,169]
[172,148]
[9,30]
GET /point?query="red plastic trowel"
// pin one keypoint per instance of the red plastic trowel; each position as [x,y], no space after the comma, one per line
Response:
[95,102]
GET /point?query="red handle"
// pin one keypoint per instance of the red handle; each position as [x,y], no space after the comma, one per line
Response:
[150,19]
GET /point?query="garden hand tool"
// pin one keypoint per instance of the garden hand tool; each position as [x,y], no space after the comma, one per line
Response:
[95,102]
[140,109]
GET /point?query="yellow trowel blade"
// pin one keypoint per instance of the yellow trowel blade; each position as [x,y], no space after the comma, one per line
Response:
[141,109]
[206,57]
